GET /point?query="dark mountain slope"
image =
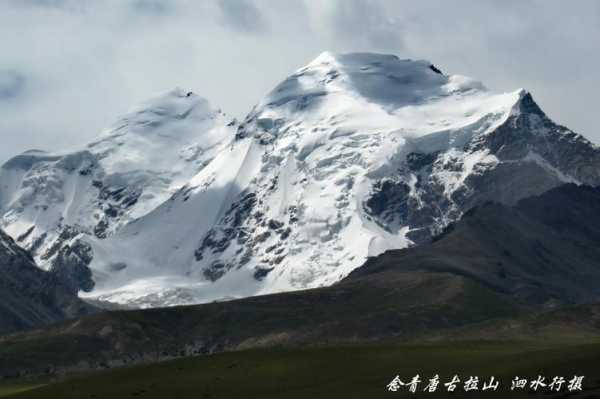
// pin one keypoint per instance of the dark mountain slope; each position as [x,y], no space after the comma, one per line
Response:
[496,267]
[373,308]
[544,250]
[29,296]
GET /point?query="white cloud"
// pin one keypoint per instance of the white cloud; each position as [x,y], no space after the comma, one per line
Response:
[242,15]
[366,24]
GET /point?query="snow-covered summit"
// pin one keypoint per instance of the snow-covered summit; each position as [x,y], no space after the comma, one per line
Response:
[158,132]
[379,91]
[379,78]
[162,143]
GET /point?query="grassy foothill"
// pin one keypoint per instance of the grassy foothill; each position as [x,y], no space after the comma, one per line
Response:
[339,372]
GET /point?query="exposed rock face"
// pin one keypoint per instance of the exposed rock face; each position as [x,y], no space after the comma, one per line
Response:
[70,266]
[526,155]
[29,296]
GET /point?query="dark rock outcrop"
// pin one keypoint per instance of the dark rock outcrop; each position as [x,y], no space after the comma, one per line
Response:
[31,297]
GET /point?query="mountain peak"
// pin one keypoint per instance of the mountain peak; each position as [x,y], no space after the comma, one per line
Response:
[349,156]
[400,81]
[156,134]
[379,79]
[164,108]
[378,92]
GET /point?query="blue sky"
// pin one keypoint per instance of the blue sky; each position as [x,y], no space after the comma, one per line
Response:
[68,68]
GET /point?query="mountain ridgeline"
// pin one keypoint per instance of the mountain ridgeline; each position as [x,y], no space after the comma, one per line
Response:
[350,156]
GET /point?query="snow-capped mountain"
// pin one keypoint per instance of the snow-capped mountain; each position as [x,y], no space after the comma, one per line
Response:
[49,201]
[350,156]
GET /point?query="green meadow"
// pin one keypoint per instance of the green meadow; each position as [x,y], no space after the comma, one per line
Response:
[338,372]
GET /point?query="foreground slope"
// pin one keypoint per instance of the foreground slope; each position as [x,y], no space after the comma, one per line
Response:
[30,297]
[351,155]
[501,272]
[350,371]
